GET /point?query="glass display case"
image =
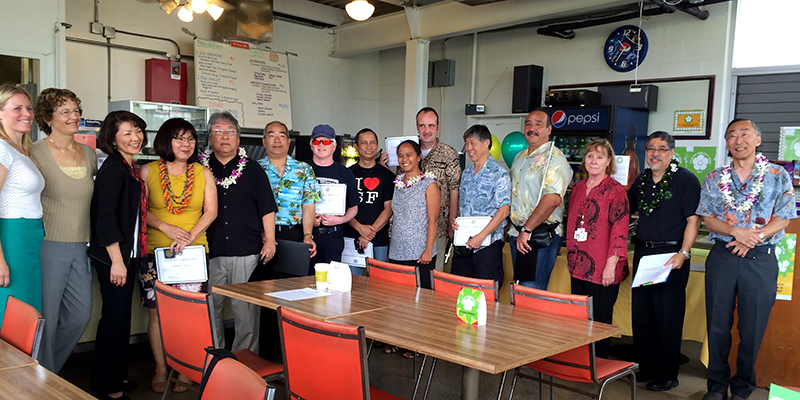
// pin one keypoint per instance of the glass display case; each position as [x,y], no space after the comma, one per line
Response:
[155,114]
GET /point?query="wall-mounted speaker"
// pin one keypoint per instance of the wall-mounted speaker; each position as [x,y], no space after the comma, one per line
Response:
[527,94]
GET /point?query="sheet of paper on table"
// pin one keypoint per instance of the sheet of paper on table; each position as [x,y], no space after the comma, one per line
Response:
[298,294]
[652,270]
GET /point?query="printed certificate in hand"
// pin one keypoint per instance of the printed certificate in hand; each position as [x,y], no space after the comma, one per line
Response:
[652,270]
[352,257]
[391,147]
[469,227]
[187,267]
[333,199]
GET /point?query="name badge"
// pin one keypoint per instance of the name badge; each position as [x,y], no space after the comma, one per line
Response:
[581,235]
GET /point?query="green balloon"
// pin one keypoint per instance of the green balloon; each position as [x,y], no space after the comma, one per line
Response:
[513,143]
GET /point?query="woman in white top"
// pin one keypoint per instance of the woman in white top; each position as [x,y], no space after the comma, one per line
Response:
[21,185]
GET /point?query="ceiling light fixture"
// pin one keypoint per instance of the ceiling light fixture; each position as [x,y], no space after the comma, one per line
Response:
[359,10]
[185,14]
[199,6]
[215,11]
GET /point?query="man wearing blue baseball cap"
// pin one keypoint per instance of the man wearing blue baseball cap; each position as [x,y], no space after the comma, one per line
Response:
[328,232]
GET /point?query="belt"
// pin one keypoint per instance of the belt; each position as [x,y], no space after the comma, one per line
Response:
[284,228]
[327,229]
[652,244]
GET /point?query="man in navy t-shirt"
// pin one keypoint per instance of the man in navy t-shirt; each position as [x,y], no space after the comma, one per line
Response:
[328,233]
[375,190]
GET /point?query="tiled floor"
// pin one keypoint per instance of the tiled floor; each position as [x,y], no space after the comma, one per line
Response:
[394,374]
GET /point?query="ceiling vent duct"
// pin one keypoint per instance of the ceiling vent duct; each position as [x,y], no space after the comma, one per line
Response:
[250,21]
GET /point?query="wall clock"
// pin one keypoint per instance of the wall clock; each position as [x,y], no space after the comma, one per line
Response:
[620,48]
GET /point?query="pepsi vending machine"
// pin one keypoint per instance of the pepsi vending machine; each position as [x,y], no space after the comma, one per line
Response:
[575,127]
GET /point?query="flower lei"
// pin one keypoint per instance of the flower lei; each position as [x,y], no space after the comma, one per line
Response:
[169,197]
[411,181]
[235,174]
[648,207]
[726,182]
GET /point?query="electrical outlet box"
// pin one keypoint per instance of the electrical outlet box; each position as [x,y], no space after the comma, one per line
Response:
[96,28]
[442,73]
[109,32]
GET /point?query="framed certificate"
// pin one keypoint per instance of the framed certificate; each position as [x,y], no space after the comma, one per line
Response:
[189,266]
[469,227]
[391,147]
[333,199]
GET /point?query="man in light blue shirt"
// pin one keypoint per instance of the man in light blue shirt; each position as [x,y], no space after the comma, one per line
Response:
[485,191]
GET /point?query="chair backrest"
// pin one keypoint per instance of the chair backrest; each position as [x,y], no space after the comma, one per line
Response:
[402,274]
[186,329]
[231,379]
[577,363]
[22,326]
[452,284]
[323,360]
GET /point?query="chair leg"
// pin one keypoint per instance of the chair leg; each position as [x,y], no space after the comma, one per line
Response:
[552,389]
[168,384]
[541,386]
[502,382]
[632,377]
[418,377]
[430,376]
[513,383]
[369,349]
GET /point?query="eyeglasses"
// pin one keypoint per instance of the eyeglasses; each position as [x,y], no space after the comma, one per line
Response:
[65,113]
[324,142]
[220,132]
[652,149]
[187,139]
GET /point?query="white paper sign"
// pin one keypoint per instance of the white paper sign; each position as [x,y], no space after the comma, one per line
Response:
[469,227]
[623,162]
[187,267]
[652,270]
[391,147]
[352,257]
[333,199]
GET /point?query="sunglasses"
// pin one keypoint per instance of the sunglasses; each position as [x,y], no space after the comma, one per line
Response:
[324,142]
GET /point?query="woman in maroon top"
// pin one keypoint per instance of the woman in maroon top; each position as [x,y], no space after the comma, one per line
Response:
[597,234]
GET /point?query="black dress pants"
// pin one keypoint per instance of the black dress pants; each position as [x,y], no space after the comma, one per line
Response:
[749,284]
[657,313]
[603,300]
[110,367]
[424,270]
[486,263]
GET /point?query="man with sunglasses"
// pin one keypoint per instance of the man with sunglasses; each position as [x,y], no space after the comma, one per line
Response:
[666,197]
[528,210]
[328,229]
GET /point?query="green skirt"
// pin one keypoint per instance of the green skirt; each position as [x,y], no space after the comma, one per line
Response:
[21,239]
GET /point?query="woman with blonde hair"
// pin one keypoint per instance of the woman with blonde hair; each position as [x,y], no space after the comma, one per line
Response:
[68,168]
[21,185]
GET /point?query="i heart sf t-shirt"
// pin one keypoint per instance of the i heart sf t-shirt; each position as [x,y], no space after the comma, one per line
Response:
[375,188]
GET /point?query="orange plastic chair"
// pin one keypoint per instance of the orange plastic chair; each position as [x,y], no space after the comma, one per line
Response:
[231,379]
[324,360]
[401,274]
[22,327]
[186,331]
[452,284]
[576,365]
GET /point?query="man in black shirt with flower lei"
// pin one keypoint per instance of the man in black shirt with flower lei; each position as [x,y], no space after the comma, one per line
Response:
[666,198]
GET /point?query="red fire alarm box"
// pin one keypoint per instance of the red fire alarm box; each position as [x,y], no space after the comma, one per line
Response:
[165,81]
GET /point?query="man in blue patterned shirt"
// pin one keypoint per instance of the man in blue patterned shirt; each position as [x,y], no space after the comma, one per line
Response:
[746,205]
[485,191]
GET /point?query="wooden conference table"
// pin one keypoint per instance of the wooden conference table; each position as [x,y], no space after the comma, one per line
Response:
[22,378]
[424,321]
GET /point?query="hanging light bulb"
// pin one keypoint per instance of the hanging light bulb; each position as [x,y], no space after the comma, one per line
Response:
[359,10]
[185,14]
[215,11]
[199,6]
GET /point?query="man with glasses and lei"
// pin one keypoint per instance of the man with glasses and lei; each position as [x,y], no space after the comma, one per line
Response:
[666,197]
[328,230]
[246,208]
[746,205]
[537,196]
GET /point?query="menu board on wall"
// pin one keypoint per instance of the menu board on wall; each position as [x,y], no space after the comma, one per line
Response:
[252,84]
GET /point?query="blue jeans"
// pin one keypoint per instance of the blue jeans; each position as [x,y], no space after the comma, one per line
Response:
[380,253]
[545,261]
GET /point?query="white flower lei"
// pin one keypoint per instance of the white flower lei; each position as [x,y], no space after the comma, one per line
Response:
[726,182]
[235,174]
[411,181]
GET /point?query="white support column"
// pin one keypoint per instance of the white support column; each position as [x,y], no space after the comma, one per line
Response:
[416,82]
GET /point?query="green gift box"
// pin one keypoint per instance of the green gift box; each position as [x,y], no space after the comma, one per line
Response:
[471,306]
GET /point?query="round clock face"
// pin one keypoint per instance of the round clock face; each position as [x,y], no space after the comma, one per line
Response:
[620,49]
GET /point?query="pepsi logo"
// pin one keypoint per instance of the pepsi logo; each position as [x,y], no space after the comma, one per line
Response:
[559,118]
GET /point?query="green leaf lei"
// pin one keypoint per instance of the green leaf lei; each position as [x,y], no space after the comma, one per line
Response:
[648,207]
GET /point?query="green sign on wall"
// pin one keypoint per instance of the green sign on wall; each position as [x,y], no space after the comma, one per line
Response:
[699,160]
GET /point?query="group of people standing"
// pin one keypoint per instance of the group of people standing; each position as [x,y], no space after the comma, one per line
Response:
[51,210]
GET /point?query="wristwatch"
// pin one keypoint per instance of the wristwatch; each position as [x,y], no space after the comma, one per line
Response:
[686,254]
[525,230]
